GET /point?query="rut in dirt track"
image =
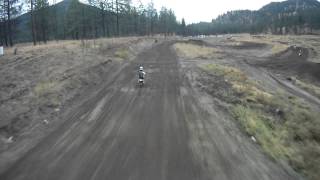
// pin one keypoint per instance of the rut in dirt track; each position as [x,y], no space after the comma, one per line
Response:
[126,132]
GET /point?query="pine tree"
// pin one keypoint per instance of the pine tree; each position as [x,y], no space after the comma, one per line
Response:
[183,27]
[152,17]
[33,27]
[10,9]
[104,6]
[41,19]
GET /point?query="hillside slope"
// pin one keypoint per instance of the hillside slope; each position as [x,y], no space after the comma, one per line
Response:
[59,25]
[287,17]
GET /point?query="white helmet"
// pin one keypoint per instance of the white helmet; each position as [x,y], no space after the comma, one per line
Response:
[141,68]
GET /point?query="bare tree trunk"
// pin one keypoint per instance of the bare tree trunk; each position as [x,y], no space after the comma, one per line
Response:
[152,26]
[2,33]
[9,23]
[107,26]
[5,29]
[103,20]
[118,28]
[5,33]
[33,25]
[64,28]
[55,21]
[84,33]
[44,36]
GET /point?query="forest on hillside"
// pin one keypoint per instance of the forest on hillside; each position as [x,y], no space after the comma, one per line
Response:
[286,17]
[71,19]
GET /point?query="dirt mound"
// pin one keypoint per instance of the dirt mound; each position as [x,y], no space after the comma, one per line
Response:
[294,62]
[249,45]
[198,42]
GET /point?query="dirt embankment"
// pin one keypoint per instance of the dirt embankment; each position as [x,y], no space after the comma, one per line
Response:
[294,62]
[39,84]
[281,120]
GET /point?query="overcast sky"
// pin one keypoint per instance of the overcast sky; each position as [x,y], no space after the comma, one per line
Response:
[205,10]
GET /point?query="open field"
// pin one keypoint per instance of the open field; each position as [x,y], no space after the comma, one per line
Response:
[270,89]
[225,107]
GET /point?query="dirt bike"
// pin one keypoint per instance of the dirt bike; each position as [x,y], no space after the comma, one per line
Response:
[141,82]
[141,77]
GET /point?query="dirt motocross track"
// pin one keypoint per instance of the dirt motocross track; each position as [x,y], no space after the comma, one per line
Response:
[165,130]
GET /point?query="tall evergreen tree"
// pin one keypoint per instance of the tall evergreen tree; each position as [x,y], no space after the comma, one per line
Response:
[9,10]
[74,19]
[152,17]
[32,20]
[42,19]
[183,27]
[104,6]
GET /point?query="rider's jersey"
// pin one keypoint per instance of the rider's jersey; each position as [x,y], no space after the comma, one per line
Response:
[141,74]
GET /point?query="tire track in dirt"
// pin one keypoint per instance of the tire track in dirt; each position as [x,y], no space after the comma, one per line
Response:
[145,133]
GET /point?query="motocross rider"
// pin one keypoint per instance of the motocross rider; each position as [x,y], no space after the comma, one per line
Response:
[141,73]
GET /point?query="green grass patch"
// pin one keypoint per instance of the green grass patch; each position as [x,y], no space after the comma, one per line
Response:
[256,123]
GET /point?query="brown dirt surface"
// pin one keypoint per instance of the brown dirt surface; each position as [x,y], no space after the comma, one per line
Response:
[272,92]
[76,111]
[290,63]
[41,83]
[164,130]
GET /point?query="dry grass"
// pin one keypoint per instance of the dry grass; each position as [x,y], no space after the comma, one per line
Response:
[278,48]
[123,54]
[193,51]
[240,82]
[315,90]
[68,44]
[251,92]
[230,73]
[43,88]
[47,93]
[285,127]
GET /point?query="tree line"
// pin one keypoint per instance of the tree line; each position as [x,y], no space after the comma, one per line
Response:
[9,10]
[276,18]
[71,19]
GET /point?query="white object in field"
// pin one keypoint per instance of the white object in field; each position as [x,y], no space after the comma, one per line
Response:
[46,121]
[1,50]
[253,139]
[9,140]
